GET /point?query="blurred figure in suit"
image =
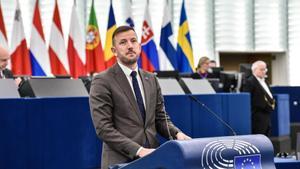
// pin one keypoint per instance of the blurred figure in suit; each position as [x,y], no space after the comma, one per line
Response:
[262,102]
[4,58]
[127,105]
[4,72]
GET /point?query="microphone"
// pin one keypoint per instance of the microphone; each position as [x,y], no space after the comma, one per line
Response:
[213,113]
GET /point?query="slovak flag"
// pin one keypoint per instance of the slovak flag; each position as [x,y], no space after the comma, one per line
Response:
[40,62]
[149,56]
[76,47]
[20,61]
[57,50]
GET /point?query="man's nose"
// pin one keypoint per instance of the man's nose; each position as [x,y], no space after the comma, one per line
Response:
[130,44]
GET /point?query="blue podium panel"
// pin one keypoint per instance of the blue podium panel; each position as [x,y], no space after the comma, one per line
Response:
[294,93]
[48,133]
[286,163]
[13,134]
[179,110]
[250,151]
[68,134]
[281,116]
[204,123]
[196,121]
[238,110]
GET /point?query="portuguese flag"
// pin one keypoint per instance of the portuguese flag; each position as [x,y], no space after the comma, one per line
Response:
[94,51]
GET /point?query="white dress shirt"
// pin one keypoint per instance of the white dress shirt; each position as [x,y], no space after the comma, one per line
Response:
[264,85]
[127,72]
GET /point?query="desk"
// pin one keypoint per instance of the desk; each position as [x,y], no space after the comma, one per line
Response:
[194,120]
[48,133]
[55,133]
[286,163]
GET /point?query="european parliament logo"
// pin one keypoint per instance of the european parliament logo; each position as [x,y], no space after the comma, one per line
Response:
[247,162]
[230,153]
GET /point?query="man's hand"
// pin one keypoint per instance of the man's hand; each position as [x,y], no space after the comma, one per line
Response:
[182,136]
[145,151]
[18,81]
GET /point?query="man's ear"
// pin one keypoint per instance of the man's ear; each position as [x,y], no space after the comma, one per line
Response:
[113,50]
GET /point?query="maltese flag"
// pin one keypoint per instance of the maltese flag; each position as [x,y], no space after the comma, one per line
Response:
[20,61]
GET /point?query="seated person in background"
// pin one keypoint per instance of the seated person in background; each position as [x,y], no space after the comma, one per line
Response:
[4,72]
[212,63]
[202,70]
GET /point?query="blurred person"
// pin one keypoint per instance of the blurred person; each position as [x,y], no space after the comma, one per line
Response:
[262,102]
[212,63]
[4,72]
[127,105]
[202,68]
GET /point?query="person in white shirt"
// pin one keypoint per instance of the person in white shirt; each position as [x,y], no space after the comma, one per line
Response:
[262,102]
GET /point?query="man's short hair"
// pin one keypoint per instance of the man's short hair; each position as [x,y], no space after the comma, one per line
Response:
[121,29]
[256,64]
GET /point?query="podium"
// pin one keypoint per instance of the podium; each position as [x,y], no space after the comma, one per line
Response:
[248,151]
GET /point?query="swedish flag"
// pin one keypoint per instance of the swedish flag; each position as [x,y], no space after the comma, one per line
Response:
[184,46]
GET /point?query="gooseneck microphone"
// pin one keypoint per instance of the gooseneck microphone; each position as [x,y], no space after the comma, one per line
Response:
[213,113]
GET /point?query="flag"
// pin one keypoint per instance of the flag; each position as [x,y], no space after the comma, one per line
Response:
[184,47]
[40,62]
[3,36]
[149,56]
[129,20]
[76,46]
[167,52]
[57,50]
[94,52]
[109,57]
[247,161]
[20,60]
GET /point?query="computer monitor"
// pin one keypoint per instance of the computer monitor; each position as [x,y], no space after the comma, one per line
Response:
[216,84]
[52,87]
[87,81]
[229,81]
[215,72]
[245,68]
[167,74]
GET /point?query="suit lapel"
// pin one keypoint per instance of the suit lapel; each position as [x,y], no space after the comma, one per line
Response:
[262,88]
[147,88]
[124,85]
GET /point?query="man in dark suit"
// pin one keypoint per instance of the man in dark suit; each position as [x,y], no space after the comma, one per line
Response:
[4,58]
[127,105]
[262,102]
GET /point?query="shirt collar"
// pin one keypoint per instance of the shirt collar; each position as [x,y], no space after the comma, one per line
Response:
[259,79]
[126,69]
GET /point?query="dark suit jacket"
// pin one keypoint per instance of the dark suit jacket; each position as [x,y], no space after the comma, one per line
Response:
[261,106]
[117,119]
[7,74]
